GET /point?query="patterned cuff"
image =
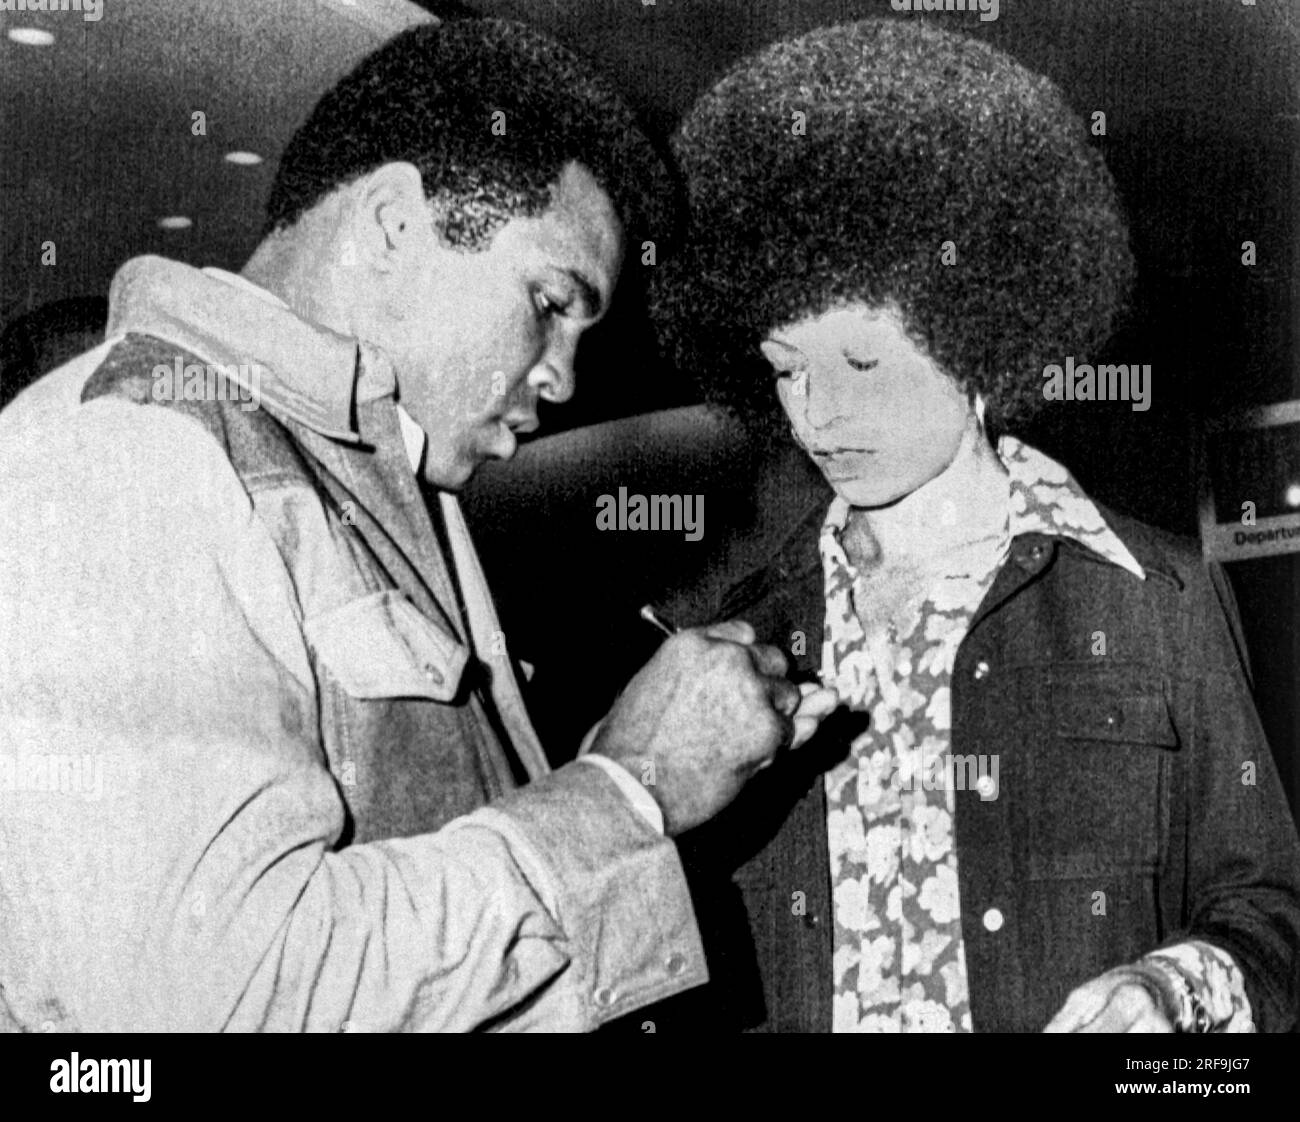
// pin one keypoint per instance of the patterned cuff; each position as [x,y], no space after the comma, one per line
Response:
[1203,988]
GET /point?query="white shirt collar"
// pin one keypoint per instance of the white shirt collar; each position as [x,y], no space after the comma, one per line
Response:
[414,437]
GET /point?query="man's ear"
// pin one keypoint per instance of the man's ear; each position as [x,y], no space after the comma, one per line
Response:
[393,223]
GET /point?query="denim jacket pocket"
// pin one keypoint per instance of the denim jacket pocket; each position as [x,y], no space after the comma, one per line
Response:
[382,646]
[1098,783]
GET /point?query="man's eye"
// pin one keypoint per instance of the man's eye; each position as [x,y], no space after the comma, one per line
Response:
[861,363]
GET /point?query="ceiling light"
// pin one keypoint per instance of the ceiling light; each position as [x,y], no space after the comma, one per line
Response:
[31,36]
[243,159]
[175,222]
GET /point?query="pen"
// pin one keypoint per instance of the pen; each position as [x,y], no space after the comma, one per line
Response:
[820,677]
[648,614]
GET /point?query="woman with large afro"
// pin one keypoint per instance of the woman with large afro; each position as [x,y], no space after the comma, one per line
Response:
[1046,821]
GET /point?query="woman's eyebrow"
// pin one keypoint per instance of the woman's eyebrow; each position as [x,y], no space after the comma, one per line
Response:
[859,363]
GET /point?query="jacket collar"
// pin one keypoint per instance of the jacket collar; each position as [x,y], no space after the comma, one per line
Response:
[1045,502]
[299,371]
[334,394]
[1052,509]
[1046,499]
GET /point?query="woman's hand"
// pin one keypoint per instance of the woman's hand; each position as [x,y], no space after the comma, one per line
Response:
[1122,1000]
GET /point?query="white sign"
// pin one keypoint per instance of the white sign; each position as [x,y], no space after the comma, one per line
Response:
[1250,484]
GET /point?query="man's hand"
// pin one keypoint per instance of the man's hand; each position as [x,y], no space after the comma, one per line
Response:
[1117,1001]
[710,709]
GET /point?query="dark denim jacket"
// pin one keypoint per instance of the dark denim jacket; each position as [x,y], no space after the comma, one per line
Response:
[1123,773]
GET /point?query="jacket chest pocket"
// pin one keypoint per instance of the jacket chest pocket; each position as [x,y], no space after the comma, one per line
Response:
[382,646]
[1098,783]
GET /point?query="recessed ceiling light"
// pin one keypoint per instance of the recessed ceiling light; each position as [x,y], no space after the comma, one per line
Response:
[243,159]
[31,36]
[175,222]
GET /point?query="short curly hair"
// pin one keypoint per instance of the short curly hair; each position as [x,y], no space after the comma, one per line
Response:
[429,96]
[912,137]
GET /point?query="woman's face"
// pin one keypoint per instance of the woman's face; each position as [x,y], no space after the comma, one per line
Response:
[876,415]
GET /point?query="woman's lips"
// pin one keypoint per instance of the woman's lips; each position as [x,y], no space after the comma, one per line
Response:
[841,454]
[845,463]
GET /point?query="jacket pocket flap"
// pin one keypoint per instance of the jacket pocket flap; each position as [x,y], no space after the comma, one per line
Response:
[1116,706]
[381,646]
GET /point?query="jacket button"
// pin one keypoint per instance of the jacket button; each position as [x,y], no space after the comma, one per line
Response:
[986,787]
[676,964]
[981,671]
[1032,557]
[431,672]
[993,920]
[604,997]
[811,919]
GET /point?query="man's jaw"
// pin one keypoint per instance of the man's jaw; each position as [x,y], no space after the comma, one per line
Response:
[497,443]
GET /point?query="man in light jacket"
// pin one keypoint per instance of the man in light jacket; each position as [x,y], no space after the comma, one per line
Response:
[262,752]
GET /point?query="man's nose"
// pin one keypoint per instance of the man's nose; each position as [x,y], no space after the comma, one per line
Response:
[553,378]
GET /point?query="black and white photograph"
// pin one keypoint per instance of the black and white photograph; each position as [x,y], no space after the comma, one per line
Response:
[650,517]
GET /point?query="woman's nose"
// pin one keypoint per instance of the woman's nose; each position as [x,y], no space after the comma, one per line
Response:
[827,400]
